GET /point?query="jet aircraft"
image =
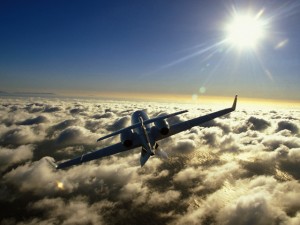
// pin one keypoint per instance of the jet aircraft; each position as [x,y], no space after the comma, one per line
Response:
[142,134]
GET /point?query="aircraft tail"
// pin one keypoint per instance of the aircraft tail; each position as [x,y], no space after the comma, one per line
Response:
[145,155]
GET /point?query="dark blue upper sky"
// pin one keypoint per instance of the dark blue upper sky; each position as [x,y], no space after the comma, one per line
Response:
[150,46]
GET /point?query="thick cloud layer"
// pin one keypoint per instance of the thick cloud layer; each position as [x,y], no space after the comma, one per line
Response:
[243,168]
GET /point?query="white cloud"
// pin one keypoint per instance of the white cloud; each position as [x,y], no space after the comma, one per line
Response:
[74,211]
[166,197]
[9,157]
[75,135]
[37,177]
[243,164]
[186,175]
[184,146]
[20,135]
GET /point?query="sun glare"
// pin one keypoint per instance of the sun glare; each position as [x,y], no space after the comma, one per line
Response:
[245,31]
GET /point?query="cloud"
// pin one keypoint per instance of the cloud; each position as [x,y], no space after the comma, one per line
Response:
[73,211]
[9,157]
[34,107]
[245,201]
[218,123]
[287,125]
[52,109]
[76,135]
[217,175]
[36,120]
[105,115]
[64,124]
[165,197]
[118,124]
[184,146]
[252,123]
[249,209]
[21,135]
[289,160]
[186,176]
[274,141]
[239,169]
[258,124]
[37,177]
[211,136]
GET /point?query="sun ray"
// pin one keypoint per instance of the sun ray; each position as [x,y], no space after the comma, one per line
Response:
[202,51]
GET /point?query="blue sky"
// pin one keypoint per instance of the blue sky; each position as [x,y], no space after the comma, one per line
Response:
[161,47]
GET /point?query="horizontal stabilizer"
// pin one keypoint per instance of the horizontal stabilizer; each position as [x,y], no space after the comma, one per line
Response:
[139,124]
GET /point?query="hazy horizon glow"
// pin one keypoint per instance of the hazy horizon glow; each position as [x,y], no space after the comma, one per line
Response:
[201,100]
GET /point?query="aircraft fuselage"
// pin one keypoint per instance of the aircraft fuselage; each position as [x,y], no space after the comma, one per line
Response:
[144,134]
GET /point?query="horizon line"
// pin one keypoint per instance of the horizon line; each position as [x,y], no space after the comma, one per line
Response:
[157,97]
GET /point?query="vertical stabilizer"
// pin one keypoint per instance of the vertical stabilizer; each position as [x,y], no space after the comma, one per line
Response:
[145,155]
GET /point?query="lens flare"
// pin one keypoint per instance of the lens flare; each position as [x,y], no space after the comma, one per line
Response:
[60,185]
[202,90]
[281,44]
[194,97]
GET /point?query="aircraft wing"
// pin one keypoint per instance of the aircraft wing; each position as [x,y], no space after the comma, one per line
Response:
[106,151]
[113,149]
[186,125]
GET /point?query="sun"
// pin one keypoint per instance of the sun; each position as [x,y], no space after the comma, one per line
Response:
[245,31]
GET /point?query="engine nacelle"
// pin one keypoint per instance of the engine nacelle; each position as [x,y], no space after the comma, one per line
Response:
[162,126]
[127,138]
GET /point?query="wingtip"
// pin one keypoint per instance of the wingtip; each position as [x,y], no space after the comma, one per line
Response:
[53,164]
[234,102]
